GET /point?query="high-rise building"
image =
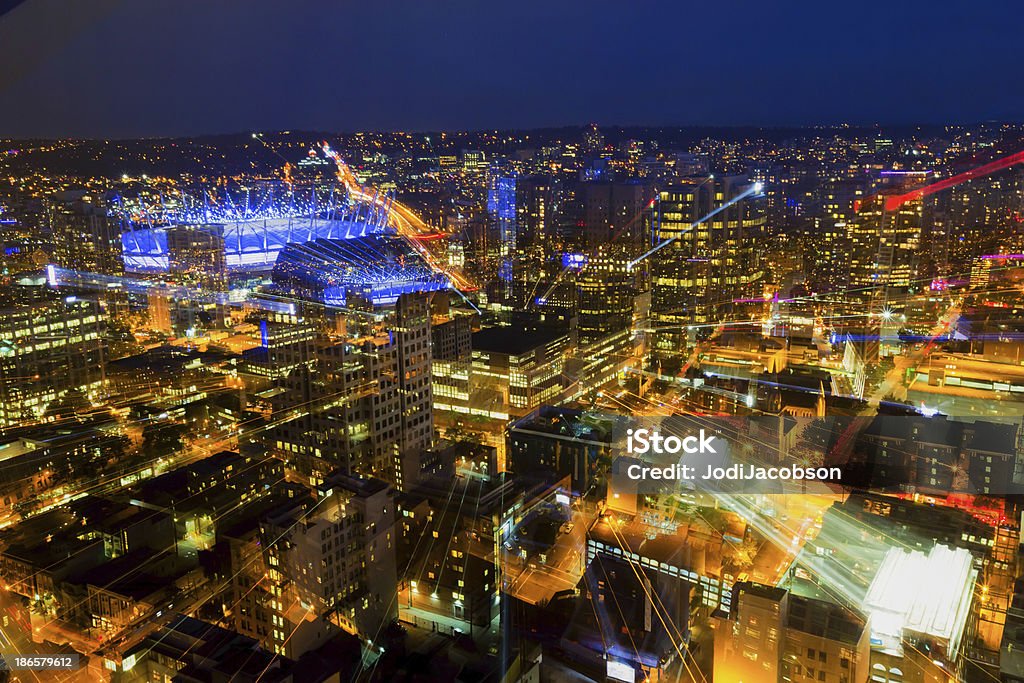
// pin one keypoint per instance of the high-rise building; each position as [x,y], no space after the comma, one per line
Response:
[535,229]
[593,140]
[702,268]
[195,256]
[885,246]
[365,404]
[885,251]
[614,210]
[196,262]
[474,162]
[501,247]
[513,374]
[323,565]
[606,290]
[452,360]
[827,252]
[535,199]
[85,238]
[50,345]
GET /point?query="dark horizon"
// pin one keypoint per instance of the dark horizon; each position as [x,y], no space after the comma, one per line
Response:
[606,128]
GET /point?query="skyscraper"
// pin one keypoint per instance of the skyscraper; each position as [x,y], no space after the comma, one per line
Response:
[501,206]
[365,404]
[49,345]
[606,295]
[884,246]
[195,256]
[703,266]
[322,566]
[85,238]
[593,140]
[613,210]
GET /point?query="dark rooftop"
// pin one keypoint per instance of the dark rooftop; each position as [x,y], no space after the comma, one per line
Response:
[825,619]
[168,359]
[512,342]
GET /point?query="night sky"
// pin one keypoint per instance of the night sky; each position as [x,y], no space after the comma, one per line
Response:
[126,68]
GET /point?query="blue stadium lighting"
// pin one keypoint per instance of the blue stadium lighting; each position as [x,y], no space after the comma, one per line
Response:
[377,268]
[256,225]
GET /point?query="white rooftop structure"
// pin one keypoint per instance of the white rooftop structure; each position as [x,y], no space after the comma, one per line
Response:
[921,596]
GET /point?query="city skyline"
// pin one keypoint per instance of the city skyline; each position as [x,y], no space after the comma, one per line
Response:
[255,365]
[590,342]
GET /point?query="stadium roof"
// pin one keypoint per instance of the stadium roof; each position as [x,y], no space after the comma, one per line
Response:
[378,268]
[254,225]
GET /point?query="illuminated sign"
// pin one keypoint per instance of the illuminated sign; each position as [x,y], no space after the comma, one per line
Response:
[575,261]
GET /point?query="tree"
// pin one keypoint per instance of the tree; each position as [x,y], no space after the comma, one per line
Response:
[163,439]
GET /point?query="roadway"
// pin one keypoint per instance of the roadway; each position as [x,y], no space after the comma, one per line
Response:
[403,219]
[534,580]
[892,383]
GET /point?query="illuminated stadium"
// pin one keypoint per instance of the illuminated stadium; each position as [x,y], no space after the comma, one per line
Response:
[256,224]
[377,268]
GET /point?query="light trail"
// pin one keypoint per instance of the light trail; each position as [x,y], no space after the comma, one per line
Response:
[894,202]
[618,233]
[403,219]
[754,189]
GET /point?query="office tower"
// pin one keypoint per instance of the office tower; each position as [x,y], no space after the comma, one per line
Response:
[474,163]
[287,342]
[365,404]
[827,251]
[158,308]
[503,236]
[828,258]
[885,244]
[525,223]
[447,163]
[196,262]
[515,373]
[702,269]
[535,227]
[412,341]
[85,238]
[535,200]
[614,211]
[50,345]
[606,295]
[196,256]
[451,357]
